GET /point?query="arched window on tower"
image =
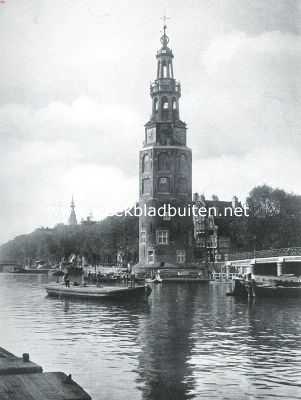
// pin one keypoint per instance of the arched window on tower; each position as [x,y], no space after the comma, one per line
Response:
[181,185]
[169,69]
[174,108]
[146,163]
[164,70]
[156,105]
[165,103]
[164,107]
[163,162]
[146,186]
[182,163]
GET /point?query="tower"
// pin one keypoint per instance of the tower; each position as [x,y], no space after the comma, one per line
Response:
[165,172]
[72,219]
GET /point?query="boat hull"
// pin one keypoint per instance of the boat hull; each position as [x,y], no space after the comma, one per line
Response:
[97,293]
[277,291]
[32,271]
[185,280]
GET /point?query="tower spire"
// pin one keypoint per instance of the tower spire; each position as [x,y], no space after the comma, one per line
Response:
[165,91]
[72,219]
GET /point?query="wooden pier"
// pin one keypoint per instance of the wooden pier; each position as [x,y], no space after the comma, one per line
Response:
[21,379]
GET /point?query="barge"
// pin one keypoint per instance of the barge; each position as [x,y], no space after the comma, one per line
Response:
[90,292]
[283,286]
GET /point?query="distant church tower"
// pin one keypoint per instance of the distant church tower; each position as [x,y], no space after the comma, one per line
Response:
[165,172]
[72,219]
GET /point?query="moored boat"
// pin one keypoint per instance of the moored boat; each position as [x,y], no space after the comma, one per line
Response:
[186,279]
[277,291]
[95,293]
[283,286]
[28,270]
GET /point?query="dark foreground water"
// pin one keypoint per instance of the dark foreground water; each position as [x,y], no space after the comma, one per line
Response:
[185,342]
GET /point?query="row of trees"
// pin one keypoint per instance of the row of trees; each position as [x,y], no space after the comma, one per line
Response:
[274,221]
[97,242]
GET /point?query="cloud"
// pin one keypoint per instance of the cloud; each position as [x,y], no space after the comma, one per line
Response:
[257,16]
[84,148]
[249,96]
[231,175]
[84,131]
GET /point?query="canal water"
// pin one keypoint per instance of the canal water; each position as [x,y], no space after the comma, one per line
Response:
[185,342]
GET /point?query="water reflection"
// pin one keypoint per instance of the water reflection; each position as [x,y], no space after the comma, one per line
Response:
[166,342]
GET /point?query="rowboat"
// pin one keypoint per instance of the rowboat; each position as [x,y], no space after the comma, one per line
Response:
[97,293]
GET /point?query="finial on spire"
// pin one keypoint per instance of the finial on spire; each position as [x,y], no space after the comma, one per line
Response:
[164,39]
[165,18]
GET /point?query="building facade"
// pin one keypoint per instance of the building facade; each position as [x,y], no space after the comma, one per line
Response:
[165,172]
[212,245]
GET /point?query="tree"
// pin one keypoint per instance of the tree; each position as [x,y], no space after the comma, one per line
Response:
[98,243]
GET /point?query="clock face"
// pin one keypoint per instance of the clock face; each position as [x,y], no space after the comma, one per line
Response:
[180,136]
[151,135]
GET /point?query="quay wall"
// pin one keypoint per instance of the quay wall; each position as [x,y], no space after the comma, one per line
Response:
[20,378]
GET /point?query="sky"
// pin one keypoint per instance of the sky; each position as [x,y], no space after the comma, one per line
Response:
[74,98]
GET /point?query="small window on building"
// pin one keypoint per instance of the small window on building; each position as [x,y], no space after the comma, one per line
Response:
[142,237]
[166,216]
[151,256]
[162,237]
[181,256]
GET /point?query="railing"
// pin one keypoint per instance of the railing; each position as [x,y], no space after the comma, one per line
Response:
[168,86]
[290,251]
[223,276]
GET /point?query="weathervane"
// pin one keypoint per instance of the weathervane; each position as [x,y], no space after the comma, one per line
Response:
[164,38]
[165,18]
